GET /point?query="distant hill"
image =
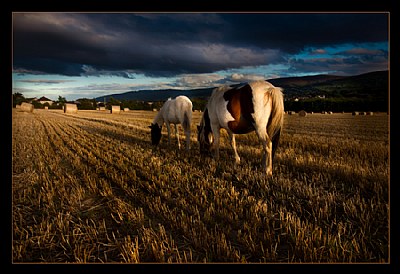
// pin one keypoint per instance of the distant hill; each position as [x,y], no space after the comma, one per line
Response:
[303,80]
[371,85]
[158,95]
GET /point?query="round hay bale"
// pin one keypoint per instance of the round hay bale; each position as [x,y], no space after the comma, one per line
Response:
[370,113]
[115,109]
[70,108]
[302,113]
[27,107]
[126,109]
[355,113]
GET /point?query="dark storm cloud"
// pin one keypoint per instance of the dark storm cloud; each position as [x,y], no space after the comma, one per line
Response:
[351,65]
[291,33]
[175,43]
[46,81]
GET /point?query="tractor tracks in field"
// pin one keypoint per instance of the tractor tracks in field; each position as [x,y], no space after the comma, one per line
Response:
[95,156]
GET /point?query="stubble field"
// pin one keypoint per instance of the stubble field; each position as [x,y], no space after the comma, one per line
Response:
[90,188]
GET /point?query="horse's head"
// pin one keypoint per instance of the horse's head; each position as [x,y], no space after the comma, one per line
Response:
[204,134]
[155,134]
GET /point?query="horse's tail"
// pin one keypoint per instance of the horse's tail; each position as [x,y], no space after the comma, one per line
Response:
[275,123]
[187,120]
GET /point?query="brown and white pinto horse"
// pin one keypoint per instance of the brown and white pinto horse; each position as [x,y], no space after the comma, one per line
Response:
[257,106]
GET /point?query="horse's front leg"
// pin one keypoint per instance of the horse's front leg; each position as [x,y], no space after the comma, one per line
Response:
[233,143]
[215,144]
[177,136]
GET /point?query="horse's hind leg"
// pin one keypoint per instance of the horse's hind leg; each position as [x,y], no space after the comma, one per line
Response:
[177,136]
[187,134]
[268,155]
[267,151]
[169,133]
[216,133]
[233,143]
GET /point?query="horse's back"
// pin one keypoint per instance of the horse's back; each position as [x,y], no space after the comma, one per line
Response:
[177,108]
[245,92]
[240,108]
[184,104]
[183,99]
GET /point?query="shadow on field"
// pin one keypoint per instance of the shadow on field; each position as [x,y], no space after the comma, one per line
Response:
[125,138]
[224,169]
[333,178]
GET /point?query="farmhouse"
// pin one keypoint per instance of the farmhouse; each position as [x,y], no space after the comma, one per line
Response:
[44,100]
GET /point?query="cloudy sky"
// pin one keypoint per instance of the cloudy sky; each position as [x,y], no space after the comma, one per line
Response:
[86,55]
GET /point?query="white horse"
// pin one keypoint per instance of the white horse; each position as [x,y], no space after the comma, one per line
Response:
[257,106]
[174,111]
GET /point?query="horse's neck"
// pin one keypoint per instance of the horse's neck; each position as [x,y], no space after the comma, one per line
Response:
[159,118]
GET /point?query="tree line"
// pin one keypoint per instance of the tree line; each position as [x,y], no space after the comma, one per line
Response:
[338,104]
[92,104]
[335,104]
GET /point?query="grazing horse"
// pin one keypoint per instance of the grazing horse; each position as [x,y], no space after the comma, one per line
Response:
[256,106]
[174,111]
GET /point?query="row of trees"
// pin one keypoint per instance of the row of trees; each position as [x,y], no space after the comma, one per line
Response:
[92,104]
[338,104]
[313,104]
[19,98]
[198,104]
